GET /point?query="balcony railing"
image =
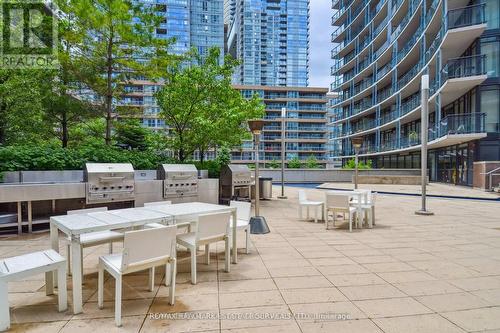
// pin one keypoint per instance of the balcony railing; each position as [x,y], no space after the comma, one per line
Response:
[456,18]
[459,68]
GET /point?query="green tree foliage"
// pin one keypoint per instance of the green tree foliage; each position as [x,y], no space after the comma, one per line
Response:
[294,163]
[223,156]
[202,108]
[131,135]
[312,162]
[21,109]
[351,164]
[114,43]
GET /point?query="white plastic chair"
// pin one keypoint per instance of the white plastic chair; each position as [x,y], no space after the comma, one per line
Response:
[304,202]
[23,266]
[210,228]
[142,249]
[243,211]
[93,238]
[339,203]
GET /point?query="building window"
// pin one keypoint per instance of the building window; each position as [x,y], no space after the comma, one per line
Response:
[490,104]
[492,12]
[491,48]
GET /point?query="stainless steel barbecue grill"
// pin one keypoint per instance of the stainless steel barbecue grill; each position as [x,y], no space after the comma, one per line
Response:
[109,182]
[235,182]
[180,181]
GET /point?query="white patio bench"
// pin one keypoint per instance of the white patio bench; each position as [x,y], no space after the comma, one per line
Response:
[23,266]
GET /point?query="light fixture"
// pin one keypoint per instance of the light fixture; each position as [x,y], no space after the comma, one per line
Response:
[357,142]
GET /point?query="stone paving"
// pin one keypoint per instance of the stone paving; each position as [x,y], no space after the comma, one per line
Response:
[407,274]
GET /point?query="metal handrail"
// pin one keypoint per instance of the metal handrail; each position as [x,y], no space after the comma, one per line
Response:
[490,175]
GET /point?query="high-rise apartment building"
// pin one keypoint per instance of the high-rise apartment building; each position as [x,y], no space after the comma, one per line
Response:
[381,50]
[271,40]
[305,125]
[195,24]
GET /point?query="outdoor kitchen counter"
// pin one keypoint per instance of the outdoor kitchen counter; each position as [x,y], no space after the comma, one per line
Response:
[41,191]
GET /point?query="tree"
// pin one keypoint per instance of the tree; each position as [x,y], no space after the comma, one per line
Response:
[294,163]
[21,109]
[223,156]
[115,43]
[201,107]
[312,162]
[131,134]
[351,164]
[273,164]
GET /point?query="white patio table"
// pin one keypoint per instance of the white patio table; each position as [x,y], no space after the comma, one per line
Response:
[75,225]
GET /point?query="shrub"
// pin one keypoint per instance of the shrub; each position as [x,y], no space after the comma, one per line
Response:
[351,164]
[294,163]
[312,162]
[274,164]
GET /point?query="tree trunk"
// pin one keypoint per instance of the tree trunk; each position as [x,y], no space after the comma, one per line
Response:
[64,128]
[109,91]
[202,156]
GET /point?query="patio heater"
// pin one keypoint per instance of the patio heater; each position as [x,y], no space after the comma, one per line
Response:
[356,143]
[283,153]
[258,224]
[423,150]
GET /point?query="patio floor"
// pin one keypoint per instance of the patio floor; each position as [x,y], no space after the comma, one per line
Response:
[408,274]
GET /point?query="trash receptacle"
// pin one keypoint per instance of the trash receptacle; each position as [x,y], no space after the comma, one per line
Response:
[266,188]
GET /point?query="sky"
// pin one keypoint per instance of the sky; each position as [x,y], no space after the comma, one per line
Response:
[320,44]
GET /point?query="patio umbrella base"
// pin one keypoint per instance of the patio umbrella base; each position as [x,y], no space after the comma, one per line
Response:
[424,212]
[258,225]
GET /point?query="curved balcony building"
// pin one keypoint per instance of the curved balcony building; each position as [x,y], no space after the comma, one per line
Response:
[381,50]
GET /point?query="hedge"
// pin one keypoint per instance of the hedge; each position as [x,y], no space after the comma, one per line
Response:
[42,158]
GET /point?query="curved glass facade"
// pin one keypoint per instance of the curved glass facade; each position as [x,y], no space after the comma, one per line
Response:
[381,50]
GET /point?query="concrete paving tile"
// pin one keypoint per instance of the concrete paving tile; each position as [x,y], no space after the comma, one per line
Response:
[326,311]
[490,295]
[250,299]
[181,322]
[388,267]
[129,324]
[453,302]
[355,279]
[345,326]
[185,303]
[51,327]
[391,307]
[476,319]
[417,324]
[247,285]
[290,328]
[263,316]
[376,291]
[312,295]
[302,282]
[423,288]
[408,276]
[477,283]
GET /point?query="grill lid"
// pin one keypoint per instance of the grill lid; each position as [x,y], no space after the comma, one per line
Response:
[109,168]
[169,171]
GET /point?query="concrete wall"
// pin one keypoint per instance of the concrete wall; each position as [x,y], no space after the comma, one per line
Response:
[335,175]
[390,179]
[482,181]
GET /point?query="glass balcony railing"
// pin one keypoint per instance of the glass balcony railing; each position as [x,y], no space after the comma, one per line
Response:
[458,124]
[459,68]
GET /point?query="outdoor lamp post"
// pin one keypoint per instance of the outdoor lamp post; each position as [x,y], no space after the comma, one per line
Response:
[283,153]
[258,224]
[356,143]
[423,150]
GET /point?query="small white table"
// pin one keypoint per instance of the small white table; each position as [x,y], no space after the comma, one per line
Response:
[75,225]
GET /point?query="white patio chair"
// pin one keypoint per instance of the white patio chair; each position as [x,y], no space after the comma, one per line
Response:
[142,249]
[339,203]
[304,202]
[93,238]
[368,206]
[210,228]
[26,265]
[243,211]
